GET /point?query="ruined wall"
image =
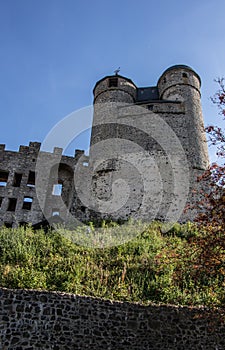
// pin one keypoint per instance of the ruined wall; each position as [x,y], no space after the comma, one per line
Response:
[35,185]
[153,136]
[59,321]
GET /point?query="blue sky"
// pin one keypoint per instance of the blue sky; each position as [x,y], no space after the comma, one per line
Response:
[52,52]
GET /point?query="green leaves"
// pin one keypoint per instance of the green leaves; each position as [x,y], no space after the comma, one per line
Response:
[150,268]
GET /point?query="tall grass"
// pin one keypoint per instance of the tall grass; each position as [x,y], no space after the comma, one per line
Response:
[151,267]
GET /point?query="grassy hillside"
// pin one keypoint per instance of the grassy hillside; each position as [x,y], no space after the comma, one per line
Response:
[151,267]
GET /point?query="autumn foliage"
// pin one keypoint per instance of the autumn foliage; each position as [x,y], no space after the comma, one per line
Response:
[211,220]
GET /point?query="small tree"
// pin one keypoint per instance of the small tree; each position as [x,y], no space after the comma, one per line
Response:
[211,220]
[213,203]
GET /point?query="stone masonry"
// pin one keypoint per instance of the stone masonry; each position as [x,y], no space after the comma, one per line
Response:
[148,147]
[32,320]
[18,195]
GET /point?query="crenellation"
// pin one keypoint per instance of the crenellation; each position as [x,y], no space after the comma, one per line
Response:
[2,147]
[24,149]
[18,193]
[78,153]
[58,151]
[148,138]
[35,146]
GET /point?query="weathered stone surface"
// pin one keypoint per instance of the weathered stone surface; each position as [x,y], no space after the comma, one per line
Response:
[91,323]
[148,147]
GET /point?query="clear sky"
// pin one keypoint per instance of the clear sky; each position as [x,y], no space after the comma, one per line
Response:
[52,52]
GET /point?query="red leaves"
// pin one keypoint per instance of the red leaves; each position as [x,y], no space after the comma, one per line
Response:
[221,98]
[209,128]
[211,220]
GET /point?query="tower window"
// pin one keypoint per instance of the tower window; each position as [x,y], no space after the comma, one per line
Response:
[17,179]
[57,190]
[82,208]
[31,179]
[27,202]
[3,178]
[55,212]
[12,204]
[1,199]
[113,82]
[185,75]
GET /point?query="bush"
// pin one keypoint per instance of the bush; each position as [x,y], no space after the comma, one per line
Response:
[151,267]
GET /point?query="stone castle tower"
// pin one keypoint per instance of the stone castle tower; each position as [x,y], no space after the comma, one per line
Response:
[166,122]
[177,88]
[148,147]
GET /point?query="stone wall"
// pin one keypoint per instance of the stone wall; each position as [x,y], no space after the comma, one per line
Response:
[158,144]
[27,180]
[155,136]
[32,320]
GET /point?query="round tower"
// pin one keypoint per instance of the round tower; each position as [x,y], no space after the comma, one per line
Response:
[182,83]
[114,88]
[110,93]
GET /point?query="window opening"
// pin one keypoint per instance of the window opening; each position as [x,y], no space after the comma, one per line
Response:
[185,75]
[31,179]
[55,212]
[3,178]
[1,199]
[12,204]
[113,82]
[8,224]
[57,190]
[27,202]
[17,179]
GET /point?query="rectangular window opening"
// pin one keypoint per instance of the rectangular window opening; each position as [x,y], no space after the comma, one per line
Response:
[12,204]
[113,82]
[31,179]
[55,212]
[1,199]
[57,190]
[83,209]
[3,178]
[27,203]
[8,224]
[17,179]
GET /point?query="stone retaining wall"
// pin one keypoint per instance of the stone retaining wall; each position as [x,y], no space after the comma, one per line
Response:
[50,320]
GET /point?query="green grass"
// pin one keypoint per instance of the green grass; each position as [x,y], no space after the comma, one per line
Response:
[152,267]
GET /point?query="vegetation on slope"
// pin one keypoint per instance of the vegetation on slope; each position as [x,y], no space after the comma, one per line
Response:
[151,267]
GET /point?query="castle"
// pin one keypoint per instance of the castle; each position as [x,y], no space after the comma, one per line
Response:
[148,147]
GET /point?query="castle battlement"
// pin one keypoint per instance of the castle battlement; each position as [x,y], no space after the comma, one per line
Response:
[18,171]
[148,146]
